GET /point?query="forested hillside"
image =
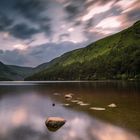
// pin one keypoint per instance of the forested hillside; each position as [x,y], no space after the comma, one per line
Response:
[113,57]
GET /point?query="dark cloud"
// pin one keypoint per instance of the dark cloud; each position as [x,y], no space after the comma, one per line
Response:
[45,26]
[72,11]
[63,36]
[78,23]
[1,52]
[33,11]
[23,31]
[30,11]
[89,24]
[5,22]
[133,15]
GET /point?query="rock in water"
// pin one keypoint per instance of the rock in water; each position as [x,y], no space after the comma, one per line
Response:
[112,105]
[56,94]
[68,96]
[66,104]
[97,108]
[54,123]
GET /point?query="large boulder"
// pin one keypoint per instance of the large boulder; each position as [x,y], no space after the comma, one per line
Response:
[54,123]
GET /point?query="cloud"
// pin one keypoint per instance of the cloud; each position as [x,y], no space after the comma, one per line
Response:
[23,31]
[33,11]
[96,9]
[46,27]
[27,14]
[5,22]
[115,23]
[72,11]
[14,57]
[82,10]
[64,36]
[33,56]
[133,15]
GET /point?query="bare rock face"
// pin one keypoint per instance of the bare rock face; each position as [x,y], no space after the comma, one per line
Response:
[54,123]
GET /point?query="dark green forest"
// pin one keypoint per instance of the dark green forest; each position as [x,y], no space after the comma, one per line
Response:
[114,57]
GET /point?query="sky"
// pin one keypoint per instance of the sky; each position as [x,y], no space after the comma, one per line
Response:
[36,31]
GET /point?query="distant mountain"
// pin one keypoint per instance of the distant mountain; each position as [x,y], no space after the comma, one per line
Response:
[10,73]
[114,57]
[18,73]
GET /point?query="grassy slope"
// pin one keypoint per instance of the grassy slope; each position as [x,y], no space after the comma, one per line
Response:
[113,57]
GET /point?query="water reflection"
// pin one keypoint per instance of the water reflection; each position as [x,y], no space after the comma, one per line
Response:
[23,111]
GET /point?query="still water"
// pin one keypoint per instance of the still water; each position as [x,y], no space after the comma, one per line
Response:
[24,107]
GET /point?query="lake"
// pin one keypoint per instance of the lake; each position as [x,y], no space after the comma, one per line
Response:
[24,107]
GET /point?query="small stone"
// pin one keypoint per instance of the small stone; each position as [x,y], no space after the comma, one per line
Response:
[80,102]
[68,96]
[54,123]
[84,104]
[56,94]
[112,105]
[74,101]
[66,104]
[97,108]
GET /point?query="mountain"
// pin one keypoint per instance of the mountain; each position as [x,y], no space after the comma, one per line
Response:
[114,57]
[10,72]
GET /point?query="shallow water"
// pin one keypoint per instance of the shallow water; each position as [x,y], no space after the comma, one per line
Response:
[24,107]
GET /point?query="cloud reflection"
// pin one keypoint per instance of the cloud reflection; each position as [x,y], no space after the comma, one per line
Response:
[22,117]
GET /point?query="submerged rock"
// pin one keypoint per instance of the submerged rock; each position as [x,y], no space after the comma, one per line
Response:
[56,94]
[80,102]
[66,104]
[97,108]
[84,104]
[112,105]
[54,123]
[74,101]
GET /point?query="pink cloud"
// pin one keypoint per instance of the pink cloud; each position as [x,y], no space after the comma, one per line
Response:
[96,9]
[110,22]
